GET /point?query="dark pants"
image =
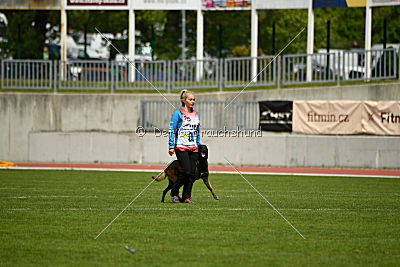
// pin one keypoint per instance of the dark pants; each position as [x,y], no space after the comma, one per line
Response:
[187,159]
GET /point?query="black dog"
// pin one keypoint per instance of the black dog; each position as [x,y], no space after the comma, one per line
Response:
[175,168]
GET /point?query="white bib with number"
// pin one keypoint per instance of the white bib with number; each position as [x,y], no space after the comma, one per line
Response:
[187,133]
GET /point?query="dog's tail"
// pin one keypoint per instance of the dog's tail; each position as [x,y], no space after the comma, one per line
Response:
[160,177]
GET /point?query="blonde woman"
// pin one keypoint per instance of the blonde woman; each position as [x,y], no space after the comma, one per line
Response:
[184,139]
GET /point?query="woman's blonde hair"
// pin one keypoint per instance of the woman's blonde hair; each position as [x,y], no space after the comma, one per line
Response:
[184,94]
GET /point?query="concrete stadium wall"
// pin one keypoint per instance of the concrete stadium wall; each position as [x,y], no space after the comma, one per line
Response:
[289,150]
[40,127]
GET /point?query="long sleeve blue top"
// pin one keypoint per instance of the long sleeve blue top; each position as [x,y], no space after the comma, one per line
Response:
[175,124]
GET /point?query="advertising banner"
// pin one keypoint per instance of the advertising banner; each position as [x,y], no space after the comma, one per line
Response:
[353,3]
[226,4]
[31,4]
[338,3]
[97,4]
[381,118]
[327,117]
[385,3]
[279,4]
[166,4]
[276,116]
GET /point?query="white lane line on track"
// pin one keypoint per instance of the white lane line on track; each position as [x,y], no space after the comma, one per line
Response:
[272,193]
[214,172]
[314,174]
[206,209]
[52,196]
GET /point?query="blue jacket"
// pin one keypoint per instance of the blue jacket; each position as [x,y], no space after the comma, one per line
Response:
[176,122]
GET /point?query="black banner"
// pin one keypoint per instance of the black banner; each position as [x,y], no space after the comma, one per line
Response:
[276,116]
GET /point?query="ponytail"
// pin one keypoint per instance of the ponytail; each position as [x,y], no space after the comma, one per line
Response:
[184,94]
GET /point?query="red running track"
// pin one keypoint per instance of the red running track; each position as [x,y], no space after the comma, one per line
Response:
[217,169]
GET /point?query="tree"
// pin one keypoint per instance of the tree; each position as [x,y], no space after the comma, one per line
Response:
[392,16]
[30,26]
[235,30]
[347,26]
[288,23]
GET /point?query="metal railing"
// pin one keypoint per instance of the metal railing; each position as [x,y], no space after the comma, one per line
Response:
[140,75]
[195,74]
[294,68]
[26,74]
[353,65]
[110,76]
[83,74]
[238,72]
[156,115]
[383,65]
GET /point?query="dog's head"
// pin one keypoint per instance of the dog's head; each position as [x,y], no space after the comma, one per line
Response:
[203,152]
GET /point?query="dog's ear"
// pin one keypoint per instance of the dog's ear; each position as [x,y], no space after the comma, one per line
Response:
[203,147]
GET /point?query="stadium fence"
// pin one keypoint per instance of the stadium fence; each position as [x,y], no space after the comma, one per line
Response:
[334,67]
[156,115]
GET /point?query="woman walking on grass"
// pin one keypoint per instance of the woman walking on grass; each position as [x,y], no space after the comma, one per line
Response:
[184,139]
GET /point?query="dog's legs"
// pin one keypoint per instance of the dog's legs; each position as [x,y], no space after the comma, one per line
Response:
[170,185]
[208,184]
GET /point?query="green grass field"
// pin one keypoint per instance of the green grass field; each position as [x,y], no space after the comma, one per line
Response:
[52,217]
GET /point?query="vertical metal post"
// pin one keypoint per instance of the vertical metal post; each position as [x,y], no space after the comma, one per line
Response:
[63,39]
[254,41]
[19,42]
[310,39]
[368,26]
[273,38]
[183,34]
[220,40]
[85,37]
[55,74]
[338,70]
[199,44]
[112,76]
[49,72]
[279,72]
[2,74]
[328,37]
[384,33]
[131,44]
[169,76]
[221,62]
[226,73]
[152,42]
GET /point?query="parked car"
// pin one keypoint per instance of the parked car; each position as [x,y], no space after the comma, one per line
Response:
[352,62]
